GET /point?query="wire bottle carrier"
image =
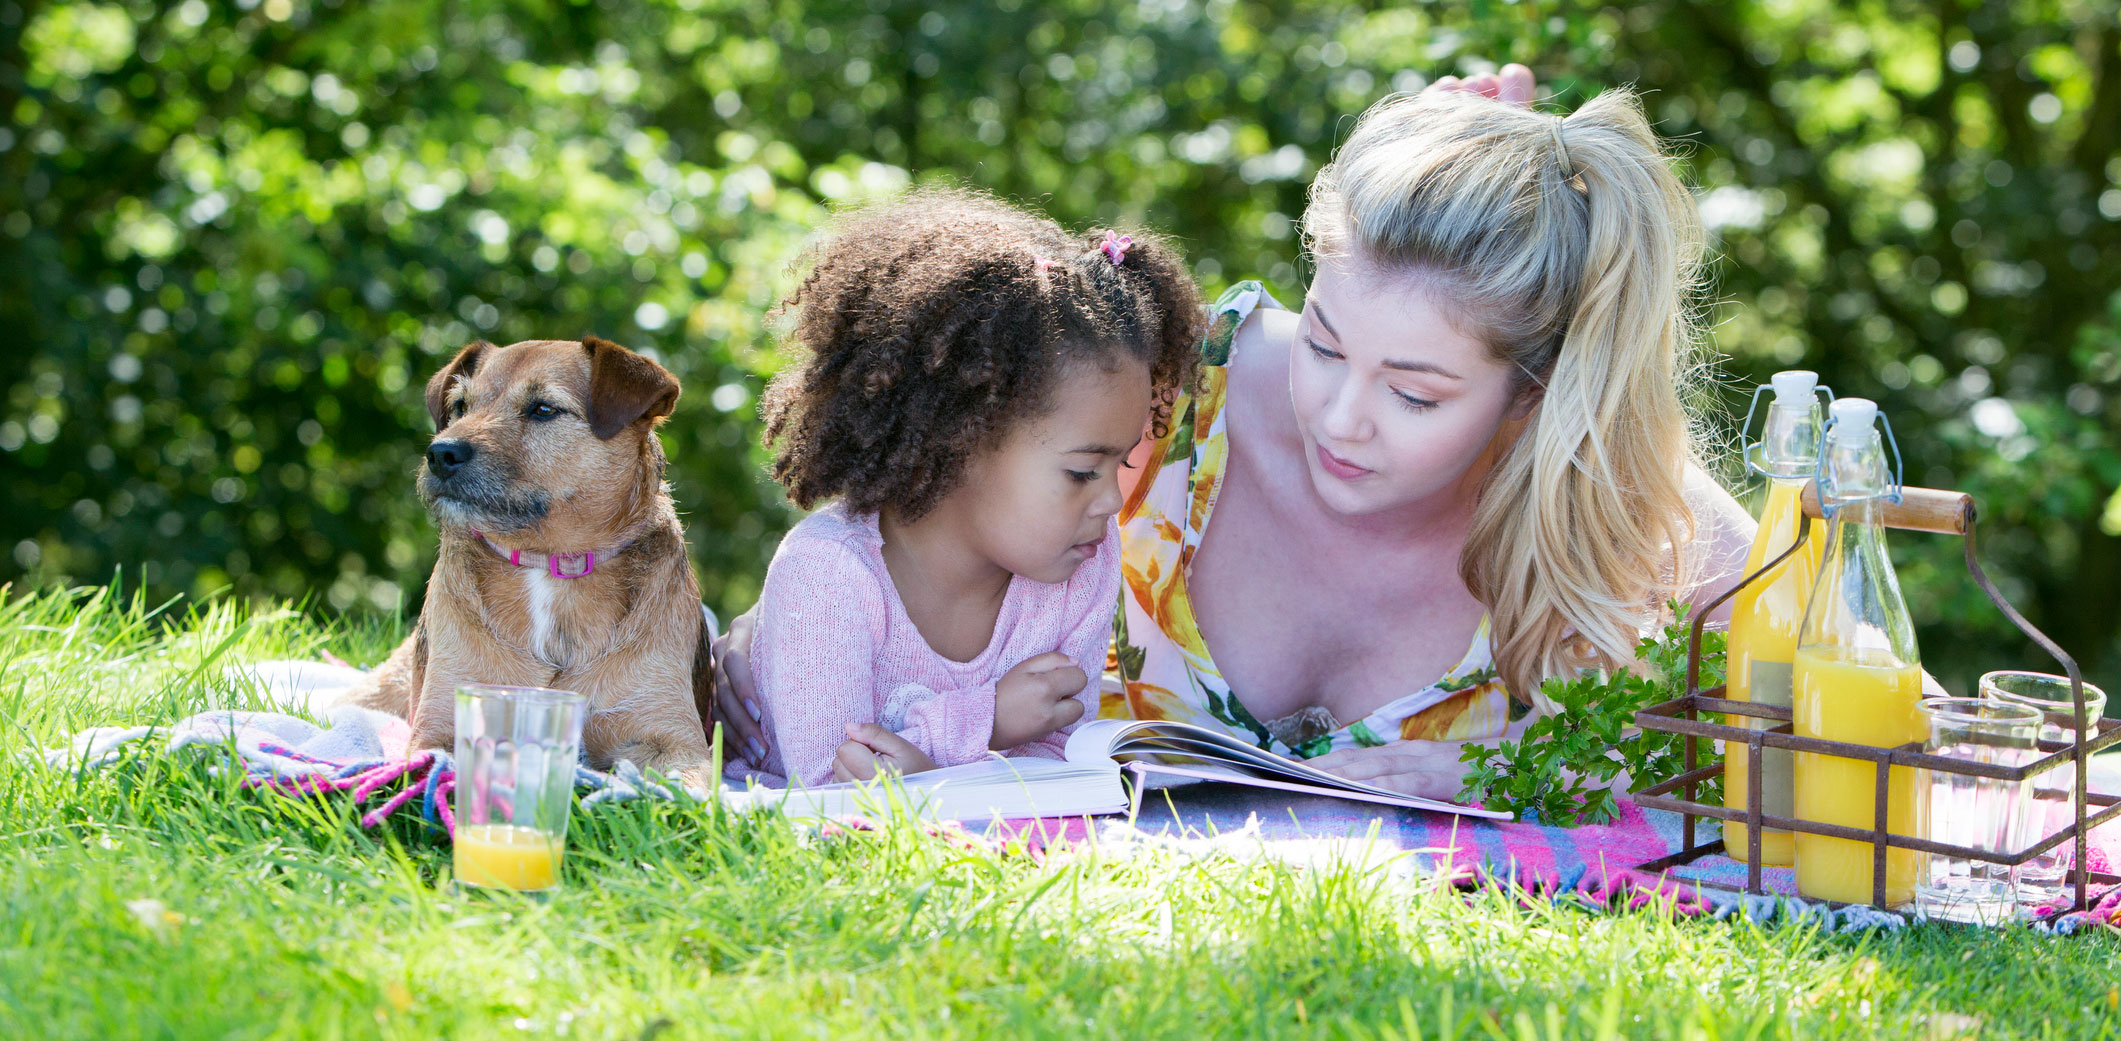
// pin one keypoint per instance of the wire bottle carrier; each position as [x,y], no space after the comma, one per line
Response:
[1914,509]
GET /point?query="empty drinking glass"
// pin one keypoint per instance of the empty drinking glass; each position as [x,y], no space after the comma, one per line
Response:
[516,753]
[1979,813]
[2044,879]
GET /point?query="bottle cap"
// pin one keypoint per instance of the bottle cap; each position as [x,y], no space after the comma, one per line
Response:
[1853,414]
[1794,386]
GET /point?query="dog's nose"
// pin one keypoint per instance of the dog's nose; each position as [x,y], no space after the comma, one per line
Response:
[446,457]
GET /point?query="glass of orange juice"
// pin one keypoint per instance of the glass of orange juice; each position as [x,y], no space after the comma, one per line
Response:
[516,753]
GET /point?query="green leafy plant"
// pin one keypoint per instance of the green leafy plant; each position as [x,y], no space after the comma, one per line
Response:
[1561,770]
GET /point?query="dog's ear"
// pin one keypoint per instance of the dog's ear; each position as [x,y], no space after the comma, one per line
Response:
[464,364]
[625,388]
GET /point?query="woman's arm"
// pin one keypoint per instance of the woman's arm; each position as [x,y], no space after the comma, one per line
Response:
[736,699]
[1723,536]
[1424,769]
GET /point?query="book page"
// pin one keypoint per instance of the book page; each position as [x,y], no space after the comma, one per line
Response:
[1171,745]
[1024,786]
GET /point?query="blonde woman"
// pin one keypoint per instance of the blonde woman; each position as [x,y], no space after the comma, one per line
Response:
[1462,467]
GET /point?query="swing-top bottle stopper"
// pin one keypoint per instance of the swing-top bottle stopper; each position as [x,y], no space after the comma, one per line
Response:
[1851,415]
[1794,386]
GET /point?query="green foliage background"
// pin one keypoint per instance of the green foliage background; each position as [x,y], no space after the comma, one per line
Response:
[236,237]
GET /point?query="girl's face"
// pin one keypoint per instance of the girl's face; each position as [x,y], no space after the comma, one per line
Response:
[1037,503]
[1395,404]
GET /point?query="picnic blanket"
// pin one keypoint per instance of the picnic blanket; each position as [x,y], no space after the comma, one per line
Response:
[355,750]
[363,752]
[1596,864]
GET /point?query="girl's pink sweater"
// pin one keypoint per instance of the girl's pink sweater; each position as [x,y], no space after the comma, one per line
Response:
[832,645]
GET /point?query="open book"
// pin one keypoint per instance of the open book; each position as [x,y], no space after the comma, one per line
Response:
[1088,781]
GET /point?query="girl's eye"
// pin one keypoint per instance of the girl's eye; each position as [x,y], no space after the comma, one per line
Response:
[1320,351]
[541,412]
[1083,476]
[1412,403]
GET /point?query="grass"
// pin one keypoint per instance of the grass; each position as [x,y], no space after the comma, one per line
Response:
[156,898]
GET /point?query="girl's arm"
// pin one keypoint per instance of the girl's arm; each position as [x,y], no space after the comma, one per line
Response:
[814,644]
[951,726]
[1089,635]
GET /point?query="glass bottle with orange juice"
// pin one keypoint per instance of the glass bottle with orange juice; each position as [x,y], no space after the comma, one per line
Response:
[1767,612]
[1857,676]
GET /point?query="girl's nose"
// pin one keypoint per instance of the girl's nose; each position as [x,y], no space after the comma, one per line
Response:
[1108,499]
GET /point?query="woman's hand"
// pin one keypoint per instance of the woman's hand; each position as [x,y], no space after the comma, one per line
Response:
[1512,85]
[736,699]
[1425,769]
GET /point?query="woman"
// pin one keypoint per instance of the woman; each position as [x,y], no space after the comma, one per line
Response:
[1462,467]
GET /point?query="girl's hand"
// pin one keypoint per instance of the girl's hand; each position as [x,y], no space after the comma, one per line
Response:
[871,749]
[1036,698]
[1512,85]
[736,699]
[1425,769]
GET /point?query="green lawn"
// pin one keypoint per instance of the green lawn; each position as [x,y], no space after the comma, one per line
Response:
[272,917]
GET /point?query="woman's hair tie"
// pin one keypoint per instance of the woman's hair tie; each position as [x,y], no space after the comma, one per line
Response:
[1115,247]
[1561,151]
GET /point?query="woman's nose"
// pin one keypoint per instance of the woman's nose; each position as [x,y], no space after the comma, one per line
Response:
[1343,418]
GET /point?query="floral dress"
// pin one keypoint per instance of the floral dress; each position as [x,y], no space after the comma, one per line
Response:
[1160,666]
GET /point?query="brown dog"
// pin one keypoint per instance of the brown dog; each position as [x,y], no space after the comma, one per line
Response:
[562,562]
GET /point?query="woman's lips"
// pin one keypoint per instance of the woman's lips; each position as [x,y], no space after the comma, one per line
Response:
[1339,467]
[1086,549]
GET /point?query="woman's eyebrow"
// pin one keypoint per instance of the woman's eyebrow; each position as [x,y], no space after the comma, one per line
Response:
[1420,366]
[1318,314]
[1097,450]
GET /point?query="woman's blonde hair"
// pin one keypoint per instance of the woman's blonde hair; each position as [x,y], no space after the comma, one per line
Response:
[1570,247]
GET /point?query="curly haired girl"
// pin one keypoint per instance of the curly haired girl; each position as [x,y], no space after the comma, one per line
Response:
[974,377]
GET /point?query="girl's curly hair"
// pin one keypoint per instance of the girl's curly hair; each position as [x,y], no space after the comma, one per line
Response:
[932,323]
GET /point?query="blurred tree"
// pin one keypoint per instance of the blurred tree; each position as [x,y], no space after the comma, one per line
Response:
[238,236]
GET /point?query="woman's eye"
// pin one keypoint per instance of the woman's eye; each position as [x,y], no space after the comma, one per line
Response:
[541,411]
[1320,351]
[1413,403]
[1083,476]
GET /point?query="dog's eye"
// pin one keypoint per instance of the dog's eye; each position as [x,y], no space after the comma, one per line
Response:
[456,411]
[541,411]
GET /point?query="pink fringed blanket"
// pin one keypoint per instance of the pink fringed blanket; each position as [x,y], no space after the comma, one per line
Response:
[1595,863]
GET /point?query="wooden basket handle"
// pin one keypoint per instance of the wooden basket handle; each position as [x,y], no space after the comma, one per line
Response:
[1936,510]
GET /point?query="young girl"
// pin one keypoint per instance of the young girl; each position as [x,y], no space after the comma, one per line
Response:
[974,378]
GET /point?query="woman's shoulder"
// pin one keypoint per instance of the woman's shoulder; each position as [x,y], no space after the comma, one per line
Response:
[1235,320]
[1256,358]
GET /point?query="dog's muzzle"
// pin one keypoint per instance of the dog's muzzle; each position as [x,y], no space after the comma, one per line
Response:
[445,458]
[464,487]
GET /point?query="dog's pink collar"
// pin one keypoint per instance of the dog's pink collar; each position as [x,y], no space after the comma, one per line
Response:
[558,565]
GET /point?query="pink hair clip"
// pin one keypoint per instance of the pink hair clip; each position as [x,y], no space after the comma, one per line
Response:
[1044,265]
[1115,247]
